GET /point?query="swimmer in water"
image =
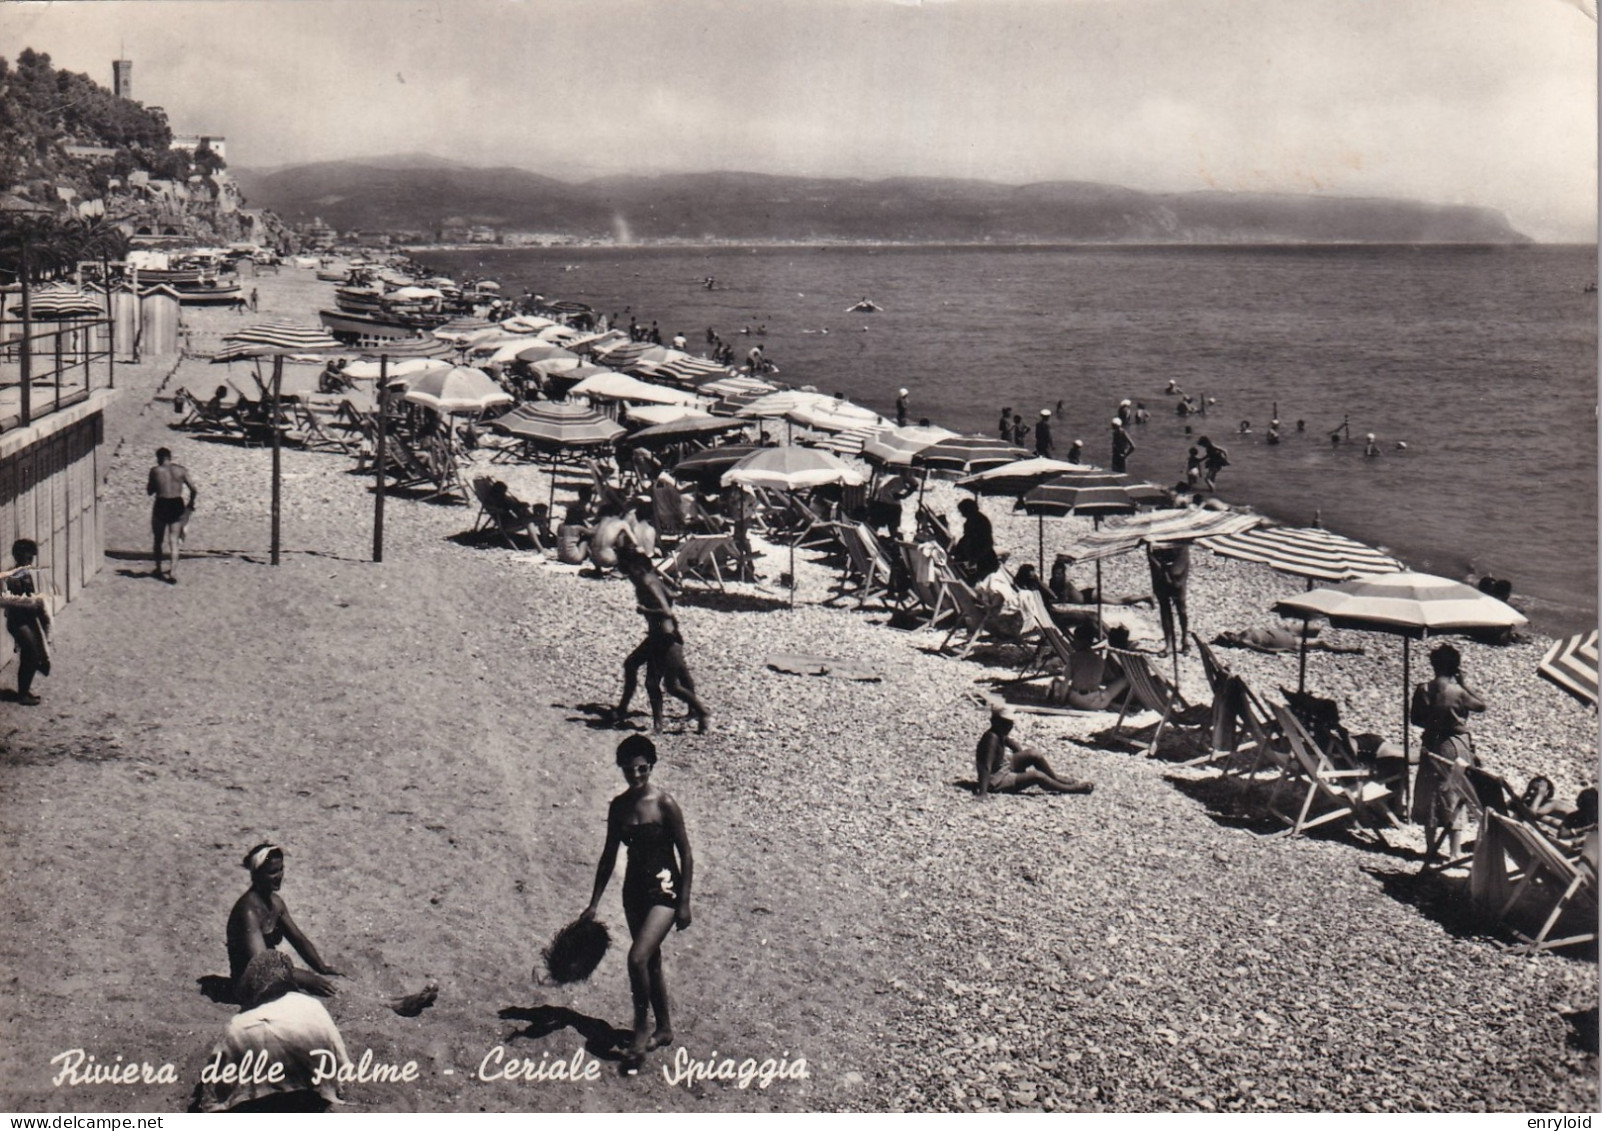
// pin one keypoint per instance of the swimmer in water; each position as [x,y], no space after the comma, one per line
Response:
[1245,428]
[1173,389]
[1370,447]
[1272,435]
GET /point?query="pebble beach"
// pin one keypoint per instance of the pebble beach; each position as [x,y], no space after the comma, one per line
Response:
[422,736]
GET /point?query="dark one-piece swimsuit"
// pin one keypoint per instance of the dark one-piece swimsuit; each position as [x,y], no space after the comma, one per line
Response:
[652,877]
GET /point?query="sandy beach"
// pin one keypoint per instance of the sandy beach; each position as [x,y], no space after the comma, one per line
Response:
[420,735]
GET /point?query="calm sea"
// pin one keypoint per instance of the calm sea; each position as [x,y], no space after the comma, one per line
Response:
[1482,360]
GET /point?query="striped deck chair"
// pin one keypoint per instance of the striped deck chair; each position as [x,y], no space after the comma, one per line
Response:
[971,613]
[1544,872]
[318,435]
[936,526]
[1327,794]
[704,557]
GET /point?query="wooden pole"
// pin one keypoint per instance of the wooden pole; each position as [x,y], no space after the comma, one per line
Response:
[27,339]
[272,421]
[380,455]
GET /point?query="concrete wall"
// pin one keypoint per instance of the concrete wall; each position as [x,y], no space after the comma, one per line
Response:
[50,476]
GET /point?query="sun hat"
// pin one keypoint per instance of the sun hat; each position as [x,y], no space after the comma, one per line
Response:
[1045,412]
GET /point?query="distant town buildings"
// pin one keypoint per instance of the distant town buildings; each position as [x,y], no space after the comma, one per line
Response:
[191,142]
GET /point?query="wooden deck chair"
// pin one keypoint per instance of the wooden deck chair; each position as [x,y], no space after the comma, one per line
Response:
[1545,872]
[936,526]
[318,435]
[703,557]
[1150,691]
[607,493]
[1328,794]
[970,612]
[496,514]
[1216,670]
[201,417]
[869,565]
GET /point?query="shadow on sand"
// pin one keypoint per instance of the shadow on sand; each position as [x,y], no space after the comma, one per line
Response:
[601,1039]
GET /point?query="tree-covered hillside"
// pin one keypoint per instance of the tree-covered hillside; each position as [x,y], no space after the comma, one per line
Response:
[43,110]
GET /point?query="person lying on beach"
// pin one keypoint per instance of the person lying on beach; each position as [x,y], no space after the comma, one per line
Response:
[1002,765]
[260,920]
[1282,638]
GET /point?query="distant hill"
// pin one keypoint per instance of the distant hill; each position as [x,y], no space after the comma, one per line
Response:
[426,194]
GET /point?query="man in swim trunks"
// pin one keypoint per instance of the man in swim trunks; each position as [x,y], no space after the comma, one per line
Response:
[169,513]
[1002,765]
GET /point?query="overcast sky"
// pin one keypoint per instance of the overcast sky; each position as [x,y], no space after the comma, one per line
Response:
[1487,102]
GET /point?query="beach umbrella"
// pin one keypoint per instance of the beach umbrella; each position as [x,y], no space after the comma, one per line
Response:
[501,352]
[791,469]
[59,304]
[689,370]
[1019,476]
[545,351]
[1093,494]
[454,390]
[651,415]
[837,416]
[278,338]
[895,447]
[599,341]
[1119,536]
[621,387]
[527,323]
[367,369]
[458,330]
[684,429]
[774,405]
[1571,664]
[711,461]
[1309,552]
[729,384]
[847,441]
[1406,604]
[967,454]
[558,424]
[559,335]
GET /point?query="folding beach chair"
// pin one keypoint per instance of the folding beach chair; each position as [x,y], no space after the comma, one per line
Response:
[936,525]
[1150,691]
[1328,794]
[705,557]
[1544,873]
[318,434]
[867,565]
[493,513]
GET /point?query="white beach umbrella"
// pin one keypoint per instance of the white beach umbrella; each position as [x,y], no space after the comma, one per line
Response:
[458,389]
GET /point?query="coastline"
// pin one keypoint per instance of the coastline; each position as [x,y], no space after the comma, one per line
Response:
[416,732]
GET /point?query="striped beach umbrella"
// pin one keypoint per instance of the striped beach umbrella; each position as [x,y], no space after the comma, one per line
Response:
[558,424]
[1089,493]
[1305,552]
[895,447]
[283,338]
[1571,664]
[1119,536]
[684,428]
[781,403]
[967,454]
[712,461]
[832,415]
[791,469]
[690,371]
[611,386]
[650,415]
[61,303]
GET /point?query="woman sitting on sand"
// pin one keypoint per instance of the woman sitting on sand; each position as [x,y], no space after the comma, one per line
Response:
[260,921]
[656,886]
[1002,765]
[1095,683]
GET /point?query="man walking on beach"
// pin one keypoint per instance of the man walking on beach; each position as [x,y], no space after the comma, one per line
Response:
[169,513]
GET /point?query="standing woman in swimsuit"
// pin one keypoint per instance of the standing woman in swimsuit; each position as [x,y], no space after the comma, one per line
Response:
[656,886]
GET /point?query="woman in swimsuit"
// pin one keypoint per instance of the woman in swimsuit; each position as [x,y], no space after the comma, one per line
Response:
[260,921]
[1094,682]
[656,886]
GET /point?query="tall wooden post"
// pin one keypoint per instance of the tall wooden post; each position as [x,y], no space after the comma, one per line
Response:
[380,457]
[272,420]
[27,338]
